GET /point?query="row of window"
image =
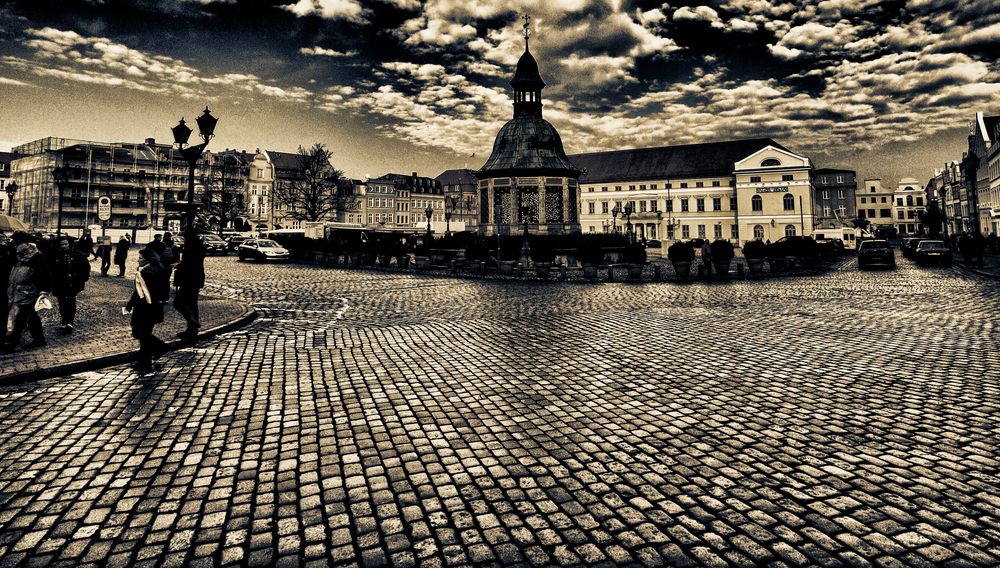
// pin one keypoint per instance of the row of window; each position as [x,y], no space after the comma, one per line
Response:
[909,201]
[870,213]
[642,186]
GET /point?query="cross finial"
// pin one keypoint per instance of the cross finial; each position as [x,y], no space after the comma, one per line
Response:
[527,30]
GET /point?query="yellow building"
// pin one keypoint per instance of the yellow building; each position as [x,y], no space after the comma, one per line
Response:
[774,194]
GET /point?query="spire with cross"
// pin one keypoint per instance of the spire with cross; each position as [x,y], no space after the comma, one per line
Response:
[527,29]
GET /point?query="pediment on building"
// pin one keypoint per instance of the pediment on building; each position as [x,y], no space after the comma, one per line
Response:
[772,157]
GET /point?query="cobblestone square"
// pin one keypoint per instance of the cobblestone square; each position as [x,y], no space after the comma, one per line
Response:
[372,418]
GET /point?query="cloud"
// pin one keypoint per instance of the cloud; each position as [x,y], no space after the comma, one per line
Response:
[698,14]
[14,82]
[350,10]
[437,32]
[322,51]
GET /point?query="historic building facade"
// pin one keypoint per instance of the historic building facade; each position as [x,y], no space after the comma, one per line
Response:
[835,203]
[875,204]
[691,191]
[528,182]
[982,170]
[459,188]
[908,205]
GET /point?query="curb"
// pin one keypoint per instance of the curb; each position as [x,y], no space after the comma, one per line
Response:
[112,359]
[976,271]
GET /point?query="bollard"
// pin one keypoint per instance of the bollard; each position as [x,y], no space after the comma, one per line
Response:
[611,273]
[739,269]
[657,276]
[562,272]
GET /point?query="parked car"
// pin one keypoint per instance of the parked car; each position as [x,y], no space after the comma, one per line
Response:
[876,251]
[830,248]
[932,252]
[261,250]
[214,244]
[234,242]
[909,246]
[653,244]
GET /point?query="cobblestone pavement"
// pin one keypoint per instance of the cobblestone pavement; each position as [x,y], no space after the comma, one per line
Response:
[377,418]
[101,329]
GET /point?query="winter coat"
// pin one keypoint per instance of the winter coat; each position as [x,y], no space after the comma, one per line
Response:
[148,312]
[28,279]
[190,273]
[121,251]
[72,270]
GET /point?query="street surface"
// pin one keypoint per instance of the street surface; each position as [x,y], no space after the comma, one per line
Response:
[381,418]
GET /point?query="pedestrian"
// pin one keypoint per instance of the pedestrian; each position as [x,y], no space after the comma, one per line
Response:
[121,254]
[104,253]
[189,278]
[992,242]
[170,256]
[146,308]
[965,248]
[978,247]
[8,257]
[706,257]
[156,245]
[72,270]
[86,245]
[29,281]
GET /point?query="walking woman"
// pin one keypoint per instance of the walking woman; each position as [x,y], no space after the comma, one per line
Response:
[146,307]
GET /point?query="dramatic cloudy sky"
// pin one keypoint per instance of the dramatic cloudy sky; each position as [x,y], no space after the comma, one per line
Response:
[887,88]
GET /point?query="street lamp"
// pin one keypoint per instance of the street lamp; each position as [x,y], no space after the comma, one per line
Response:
[206,127]
[59,175]
[429,212]
[614,217]
[449,206]
[629,209]
[11,192]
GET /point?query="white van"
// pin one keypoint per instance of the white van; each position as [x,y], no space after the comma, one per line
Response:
[848,235]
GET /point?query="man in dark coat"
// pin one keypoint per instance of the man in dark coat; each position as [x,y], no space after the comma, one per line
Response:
[7,260]
[70,274]
[104,253]
[146,308]
[189,278]
[121,254]
[86,245]
[28,281]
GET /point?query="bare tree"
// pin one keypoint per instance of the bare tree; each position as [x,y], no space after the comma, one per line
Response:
[223,198]
[311,194]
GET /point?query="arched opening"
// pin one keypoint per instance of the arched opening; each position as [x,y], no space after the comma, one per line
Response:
[789,230]
[789,201]
[758,232]
[756,203]
[770,162]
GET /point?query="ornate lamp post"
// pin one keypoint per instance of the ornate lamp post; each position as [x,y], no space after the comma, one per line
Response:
[59,176]
[614,217]
[11,190]
[449,206]
[206,127]
[429,212]
[629,209]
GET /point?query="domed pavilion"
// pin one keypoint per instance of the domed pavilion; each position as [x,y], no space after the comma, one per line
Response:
[528,178]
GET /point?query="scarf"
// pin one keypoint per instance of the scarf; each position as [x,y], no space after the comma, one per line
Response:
[140,287]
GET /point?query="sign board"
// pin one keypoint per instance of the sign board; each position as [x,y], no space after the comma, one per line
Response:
[772,190]
[104,208]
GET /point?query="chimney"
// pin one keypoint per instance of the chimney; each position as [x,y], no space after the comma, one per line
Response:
[151,141]
[414,174]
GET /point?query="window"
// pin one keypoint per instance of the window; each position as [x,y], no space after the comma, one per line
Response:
[701,231]
[787,177]
[899,214]
[642,206]
[789,230]
[909,200]
[843,211]
[716,183]
[758,232]
[684,204]
[699,184]
[756,203]
[716,204]
[885,213]
[653,205]
[618,188]
[669,186]
[840,179]
[700,202]
[871,213]
[604,207]
[754,179]
[631,188]
[684,184]
[884,200]
[826,210]
[670,232]
[863,200]
[605,188]
[789,201]
[734,232]
[840,194]
[920,201]
[718,230]
[670,205]
[826,194]
[732,203]
[770,162]
[642,186]
[899,201]
[652,186]
[685,232]
[590,208]
[590,190]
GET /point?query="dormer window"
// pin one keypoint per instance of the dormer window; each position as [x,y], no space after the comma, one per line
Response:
[770,162]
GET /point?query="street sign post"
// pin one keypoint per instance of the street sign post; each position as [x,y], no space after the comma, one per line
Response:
[104,208]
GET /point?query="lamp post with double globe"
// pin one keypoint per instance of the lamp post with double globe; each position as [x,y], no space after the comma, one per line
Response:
[182,132]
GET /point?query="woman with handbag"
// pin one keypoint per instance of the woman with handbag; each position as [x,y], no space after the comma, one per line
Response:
[146,308]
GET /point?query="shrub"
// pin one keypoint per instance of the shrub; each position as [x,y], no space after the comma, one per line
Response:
[541,251]
[681,251]
[755,249]
[722,250]
[589,250]
[634,253]
[477,250]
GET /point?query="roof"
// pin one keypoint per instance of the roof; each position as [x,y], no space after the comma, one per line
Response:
[283,160]
[528,144]
[826,171]
[456,177]
[526,75]
[415,183]
[689,160]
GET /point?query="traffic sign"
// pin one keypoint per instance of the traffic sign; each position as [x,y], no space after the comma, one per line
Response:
[104,208]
